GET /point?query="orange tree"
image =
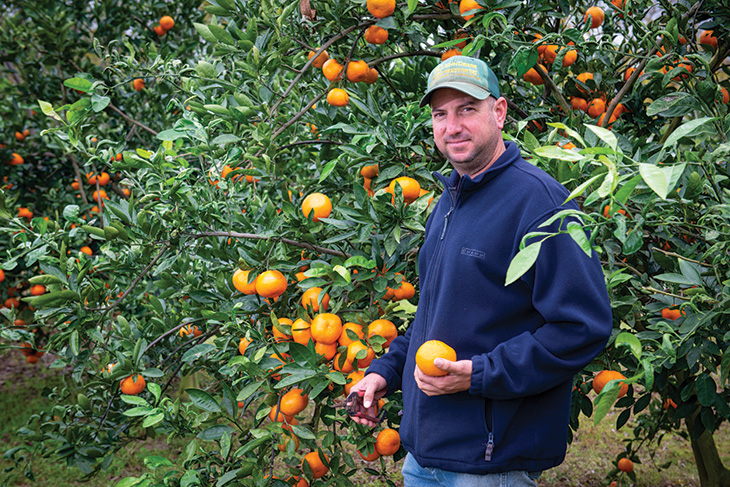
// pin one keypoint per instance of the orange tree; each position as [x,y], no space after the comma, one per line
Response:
[213,134]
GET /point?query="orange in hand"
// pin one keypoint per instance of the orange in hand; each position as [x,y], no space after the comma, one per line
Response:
[430,351]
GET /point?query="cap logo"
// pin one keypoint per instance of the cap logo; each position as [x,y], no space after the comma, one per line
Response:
[459,68]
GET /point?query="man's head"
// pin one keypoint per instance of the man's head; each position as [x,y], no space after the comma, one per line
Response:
[467,113]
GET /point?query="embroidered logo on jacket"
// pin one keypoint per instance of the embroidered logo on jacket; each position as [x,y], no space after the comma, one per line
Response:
[473,253]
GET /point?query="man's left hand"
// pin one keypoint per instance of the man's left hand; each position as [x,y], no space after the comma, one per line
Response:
[457,379]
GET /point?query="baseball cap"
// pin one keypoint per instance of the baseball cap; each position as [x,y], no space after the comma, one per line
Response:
[466,74]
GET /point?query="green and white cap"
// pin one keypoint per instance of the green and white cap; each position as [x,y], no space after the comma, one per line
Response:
[466,74]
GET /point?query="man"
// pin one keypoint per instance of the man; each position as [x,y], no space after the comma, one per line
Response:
[500,416]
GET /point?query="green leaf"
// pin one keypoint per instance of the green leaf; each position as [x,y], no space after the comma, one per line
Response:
[605,135]
[328,168]
[412,4]
[153,419]
[689,129]
[522,262]
[247,391]
[80,84]
[203,400]
[222,34]
[198,351]
[579,190]
[156,461]
[225,139]
[605,400]
[655,178]
[214,433]
[205,32]
[555,152]
[99,103]
[673,105]
[629,340]
[578,234]
[705,386]
[171,134]
[48,111]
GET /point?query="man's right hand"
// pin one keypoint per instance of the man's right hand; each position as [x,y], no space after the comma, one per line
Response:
[372,387]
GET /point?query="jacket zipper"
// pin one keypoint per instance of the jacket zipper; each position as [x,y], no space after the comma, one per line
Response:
[490,441]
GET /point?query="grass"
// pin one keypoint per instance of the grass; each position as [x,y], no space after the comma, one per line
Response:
[589,456]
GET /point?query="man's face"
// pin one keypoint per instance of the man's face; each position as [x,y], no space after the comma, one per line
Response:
[467,131]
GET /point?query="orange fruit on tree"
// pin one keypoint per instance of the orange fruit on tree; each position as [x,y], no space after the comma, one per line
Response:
[159,30]
[354,348]
[270,284]
[103,179]
[606,376]
[243,345]
[293,402]
[341,363]
[625,465]
[279,335]
[372,76]
[16,160]
[368,185]
[318,205]
[300,331]
[12,303]
[405,291]
[326,328]
[725,95]
[596,107]
[570,58]
[532,76]
[327,350]
[671,314]
[99,195]
[310,297]
[337,97]
[597,16]
[352,379]
[369,457]
[578,103]
[550,53]
[376,35]
[384,328]
[466,6]
[318,467]
[707,38]
[583,77]
[87,250]
[2,275]
[332,70]
[190,329]
[297,481]
[280,417]
[430,351]
[450,53]
[319,60]
[132,385]
[19,136]
[138,84]
[240,282]
[24,212]
[167,22]
[462,35]
[356,71]
[387,442]
[355,328]
[381,8]
[288,437]
[409,186]
[370,171]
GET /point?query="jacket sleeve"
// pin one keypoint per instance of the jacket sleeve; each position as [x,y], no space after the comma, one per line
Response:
[569,292]
[391,365]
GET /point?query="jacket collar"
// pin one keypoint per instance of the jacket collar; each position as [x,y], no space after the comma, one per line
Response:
[511,154]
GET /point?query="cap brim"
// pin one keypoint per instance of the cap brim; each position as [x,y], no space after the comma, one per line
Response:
[468,88]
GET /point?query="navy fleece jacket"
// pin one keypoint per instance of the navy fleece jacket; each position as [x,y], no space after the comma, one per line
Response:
[526,340]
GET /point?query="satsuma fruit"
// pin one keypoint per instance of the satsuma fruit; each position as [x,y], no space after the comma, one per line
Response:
[430,351]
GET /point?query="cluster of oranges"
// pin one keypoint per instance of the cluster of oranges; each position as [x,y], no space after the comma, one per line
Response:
[269,284]
[166,23]
[357,71]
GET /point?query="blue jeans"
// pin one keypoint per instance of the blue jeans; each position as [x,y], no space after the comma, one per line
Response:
[416,476]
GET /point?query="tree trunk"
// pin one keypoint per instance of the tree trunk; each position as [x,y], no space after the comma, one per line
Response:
[709,464]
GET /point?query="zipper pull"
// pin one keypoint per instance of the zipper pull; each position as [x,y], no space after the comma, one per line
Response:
[446,223]
[490,448]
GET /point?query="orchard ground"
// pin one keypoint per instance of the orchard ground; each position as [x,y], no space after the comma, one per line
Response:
[589,456]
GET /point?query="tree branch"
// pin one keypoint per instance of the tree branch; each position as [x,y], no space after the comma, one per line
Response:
[131,120]
[253,236]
